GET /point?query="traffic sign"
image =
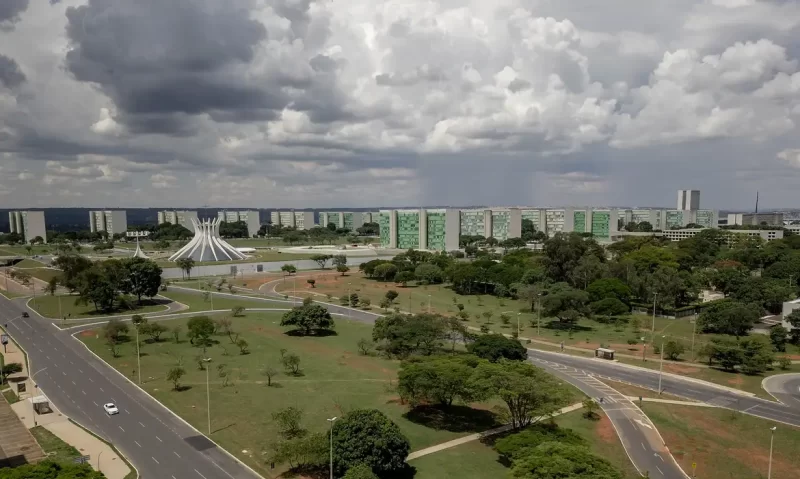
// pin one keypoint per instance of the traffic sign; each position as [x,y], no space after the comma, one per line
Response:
[81,460]
[694,465]
[3,339]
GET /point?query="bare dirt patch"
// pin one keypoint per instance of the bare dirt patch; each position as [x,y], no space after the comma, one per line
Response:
[680,369]
[605,430]
[88,333]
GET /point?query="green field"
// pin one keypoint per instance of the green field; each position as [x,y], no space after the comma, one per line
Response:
[29,263]
[197,302]
[48,306]
[56,449]
[18,250]
[44,274]
[257,257]
[725,444]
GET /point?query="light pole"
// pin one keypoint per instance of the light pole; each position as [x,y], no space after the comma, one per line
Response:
[661,366]
[518,315]
[694,330]
[98,461]
[208,395]
[539,317]
[771,441]
[429,304]
[33,411]
[653,328]
[294,290]
[136,322]
[349,300]
[331,420]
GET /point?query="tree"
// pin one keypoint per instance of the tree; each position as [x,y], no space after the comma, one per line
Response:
[435,380]
[237,311]
[386,271]
[288,421]
[305,451]
[367,436]
[176,334]
[312,282]
[51,470]
[673,349]
[757,354]
[779,336]
[242,345]
[528,392]
[339,260]
[360,471]
[609,288]
[142,277]
[186,265]
[291,362]
[427,273]
[609,307]
[391,295]
[555,460]
[590,408]
[270,372]
[175,374]
[52,286]
[289,268]
[342,268]
[563,251]
[115,329]
[794,320]
[494,347]
[321,259]
[404,277]
[308,318]
[401,335]
[729,317]
[199,330]
[154,330]
[565,303]
[364,346]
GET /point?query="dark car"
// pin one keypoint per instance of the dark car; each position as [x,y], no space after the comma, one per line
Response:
[25,314]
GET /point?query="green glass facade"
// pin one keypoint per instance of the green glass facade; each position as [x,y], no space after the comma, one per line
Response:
[705,218]
[501,221]
[601,224]
[407,230]
[436,231]
[472,223]
[579,224]
[348,221]
[674,219]
[384,220]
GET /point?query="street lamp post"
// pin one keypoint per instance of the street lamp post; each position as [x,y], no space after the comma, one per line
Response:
[33,411]
[429,304]
[771,441]
[349,300]
[331,420]
[294,290]
[539,317]
[661,366]
[518,315]
[653,329]
[208,395]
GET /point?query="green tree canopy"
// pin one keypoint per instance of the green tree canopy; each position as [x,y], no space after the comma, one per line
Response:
[554,460]
[494,347]
[609,288]
[437,380]
[367,436]
[51,470]
[309,318]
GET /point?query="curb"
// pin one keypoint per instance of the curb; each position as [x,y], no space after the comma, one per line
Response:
[773,376]
[235,459]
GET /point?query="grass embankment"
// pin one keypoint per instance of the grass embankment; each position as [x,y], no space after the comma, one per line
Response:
[48,306]
[56,449]
[18,250]
[256,257]
[198,302]
[725,444]
[335,379]
[477,460]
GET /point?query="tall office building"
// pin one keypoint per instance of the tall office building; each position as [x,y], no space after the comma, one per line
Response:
[251,218]
[301,220]
[29,224]
[688,200]
[351,220]
[183,218]
[111,221]
[435,229]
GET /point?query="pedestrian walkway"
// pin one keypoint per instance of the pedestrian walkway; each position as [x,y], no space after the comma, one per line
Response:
[17,445]
[479,435]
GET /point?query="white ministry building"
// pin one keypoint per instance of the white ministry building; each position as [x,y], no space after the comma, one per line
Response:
[183,218]
[29,224]
[111,221]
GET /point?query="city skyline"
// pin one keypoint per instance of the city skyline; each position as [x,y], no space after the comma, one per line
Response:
[515,103]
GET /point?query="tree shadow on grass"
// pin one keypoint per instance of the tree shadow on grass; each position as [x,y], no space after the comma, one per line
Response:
[183,388]
[453,418]
[321,333]
[556,325]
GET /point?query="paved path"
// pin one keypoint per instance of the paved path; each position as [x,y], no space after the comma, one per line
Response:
[785,388]
[17,445]
[479,435]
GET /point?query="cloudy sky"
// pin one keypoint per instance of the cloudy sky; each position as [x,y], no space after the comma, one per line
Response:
[319,103]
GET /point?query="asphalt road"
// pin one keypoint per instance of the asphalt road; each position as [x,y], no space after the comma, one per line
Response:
[785,388]
[159,444]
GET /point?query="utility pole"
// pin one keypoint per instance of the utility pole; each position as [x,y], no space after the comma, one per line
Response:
[661,366]
[138,355]
[208,395]
[518,315]
[539,317]
[331,420]
[653,329]
[771,441]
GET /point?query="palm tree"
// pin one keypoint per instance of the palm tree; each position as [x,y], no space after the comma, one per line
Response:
[186,265]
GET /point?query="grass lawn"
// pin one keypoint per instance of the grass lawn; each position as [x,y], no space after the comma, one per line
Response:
[12,294]
[197,302]
[725,444]
[19,250]
[10,396]
[44,274]
[29,263]
[56,449]
[335,379]
[48,306]
[257,257]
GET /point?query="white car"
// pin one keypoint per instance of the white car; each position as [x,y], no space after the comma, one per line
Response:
[110,408]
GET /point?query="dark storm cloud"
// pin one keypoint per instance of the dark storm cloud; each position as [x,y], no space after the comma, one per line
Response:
[10,74]
[10,11]
[160,61]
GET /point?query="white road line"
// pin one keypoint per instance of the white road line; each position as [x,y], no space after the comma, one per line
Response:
[62,372]
[176,454]
[751,407]
[90,379]
[659,456]
[123,430]
[96,404]
[102,389]
[73,383]
[198,473]
[159,439]
[643,446]
[154,459]
[48,357]
[127,412]
[659,470]
[137,442]
[84,392]
[141,424]
[80,370]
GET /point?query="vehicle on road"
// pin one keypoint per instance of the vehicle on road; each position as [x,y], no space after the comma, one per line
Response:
[25,314]
[111,408]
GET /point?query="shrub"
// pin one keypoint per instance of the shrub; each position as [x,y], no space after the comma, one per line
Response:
[511,447]
[367,436]
[496,346]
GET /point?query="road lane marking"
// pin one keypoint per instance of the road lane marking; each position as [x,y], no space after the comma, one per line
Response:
[159,439]
[84,392]
[90,379]
[140,423]
[80,370]
[48,357]
[137,442]
[198,473]
[123,430]
[95,403]
[154,459]
[62,372]
[643,446]
[659,470]
[73,383]
[102,389]
[176,454]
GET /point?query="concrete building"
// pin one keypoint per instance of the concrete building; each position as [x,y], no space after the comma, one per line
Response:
[498,223]
[682,234]
[183,218]
[111,221]
[435,229]
[755,219]
[29,224]
[351,220]
[301,220]
[251,218]
[688,200]
[793,228]
[370,216]
[788,308]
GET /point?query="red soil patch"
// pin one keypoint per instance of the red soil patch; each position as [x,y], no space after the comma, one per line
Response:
[680,369]
[605,430]
[88,333]
[736,381]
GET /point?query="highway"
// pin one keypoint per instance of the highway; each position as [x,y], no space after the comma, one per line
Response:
[160,445]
